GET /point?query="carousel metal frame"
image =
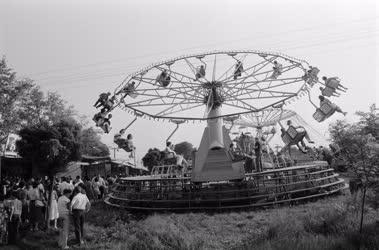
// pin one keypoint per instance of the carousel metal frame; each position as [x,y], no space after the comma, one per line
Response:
[251,82]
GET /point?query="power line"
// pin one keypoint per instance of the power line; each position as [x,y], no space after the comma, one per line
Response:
[201,46]
[89,76]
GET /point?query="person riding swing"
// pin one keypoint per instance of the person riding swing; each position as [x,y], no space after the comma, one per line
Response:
[334,83]
[164,78]
[128,90]
[106,126]
[302,133]
[238,70]
[103,98]
[200,72]
[335,108]
[278,68]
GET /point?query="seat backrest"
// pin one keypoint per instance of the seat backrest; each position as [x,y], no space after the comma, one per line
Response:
[319,115]
[326,108]
[292,132]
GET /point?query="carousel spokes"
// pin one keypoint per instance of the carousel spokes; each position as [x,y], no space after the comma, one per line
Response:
[239,81]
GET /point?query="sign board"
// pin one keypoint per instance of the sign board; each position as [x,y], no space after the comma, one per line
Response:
[9,148]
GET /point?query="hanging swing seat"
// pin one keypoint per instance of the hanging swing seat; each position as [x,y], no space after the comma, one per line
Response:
[200,73]
[292,136]
[324,112]
[123,144]
[328,91]
[333,82]
[164,79]
[312,76]
[130,91]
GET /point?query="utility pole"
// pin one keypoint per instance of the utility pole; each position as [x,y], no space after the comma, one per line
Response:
[114,151]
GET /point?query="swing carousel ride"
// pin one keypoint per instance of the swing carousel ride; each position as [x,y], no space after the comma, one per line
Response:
[237,87]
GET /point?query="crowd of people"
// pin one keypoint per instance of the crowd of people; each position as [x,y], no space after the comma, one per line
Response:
[24,204]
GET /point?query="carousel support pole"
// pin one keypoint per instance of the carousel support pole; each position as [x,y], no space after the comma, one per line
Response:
[173,132]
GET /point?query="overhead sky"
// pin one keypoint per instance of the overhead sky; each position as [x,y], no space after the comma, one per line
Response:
[82,48]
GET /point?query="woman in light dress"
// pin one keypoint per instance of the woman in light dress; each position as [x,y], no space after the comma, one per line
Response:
[53,211]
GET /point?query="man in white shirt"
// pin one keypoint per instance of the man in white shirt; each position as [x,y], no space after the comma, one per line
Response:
[64,216]
[65,185]
[79,206]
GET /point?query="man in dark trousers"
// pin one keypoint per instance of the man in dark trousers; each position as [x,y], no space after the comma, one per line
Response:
[258,154]
[79,206]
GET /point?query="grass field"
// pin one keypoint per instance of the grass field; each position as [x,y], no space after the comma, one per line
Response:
[330,223]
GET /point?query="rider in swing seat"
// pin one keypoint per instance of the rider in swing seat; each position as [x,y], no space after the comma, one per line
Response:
[103,98]
[334,107]
[108,105]
[238,70]
[171,156]
[118,140]
[277,70]
[200,72]
[328,91]
[300,131]
[99,117]
[106,126]
[127,90]
[164,78]
[130,146]
[310,76]
[334,82]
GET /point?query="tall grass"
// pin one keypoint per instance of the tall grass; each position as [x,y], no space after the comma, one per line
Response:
[326,224]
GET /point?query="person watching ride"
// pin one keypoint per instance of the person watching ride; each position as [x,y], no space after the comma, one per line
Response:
[258,154]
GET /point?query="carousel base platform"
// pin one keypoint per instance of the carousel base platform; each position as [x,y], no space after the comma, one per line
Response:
[271,187]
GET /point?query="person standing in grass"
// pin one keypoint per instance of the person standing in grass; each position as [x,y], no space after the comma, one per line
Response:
[79,206]
[15,210]
[53,210]
[64,218]
[258,154]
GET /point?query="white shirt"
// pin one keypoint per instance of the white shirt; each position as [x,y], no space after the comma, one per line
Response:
[64,185]
[80,201]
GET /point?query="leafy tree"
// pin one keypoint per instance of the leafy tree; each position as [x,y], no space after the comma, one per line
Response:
[38,107]
[359,146]
[50,147]
[23,104]
[152,158]
[368,122]
[185,149]
[12,92]
[91,144]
